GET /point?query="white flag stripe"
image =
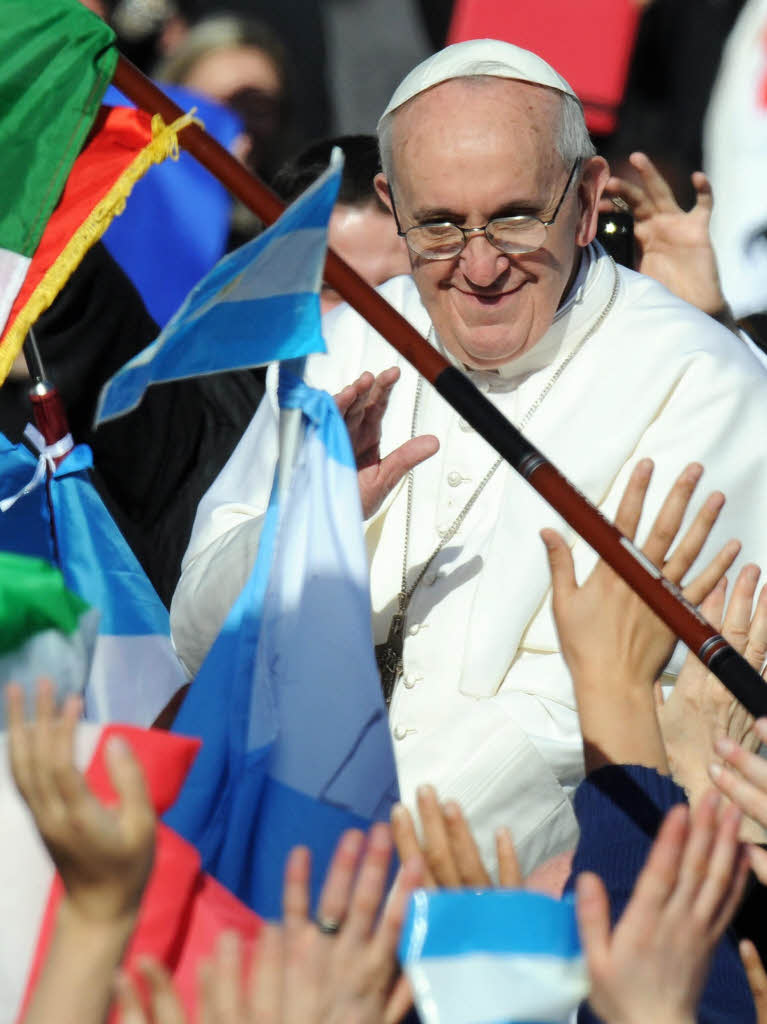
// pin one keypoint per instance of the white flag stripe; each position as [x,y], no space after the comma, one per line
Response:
[132,678]
[13,270]
[484,988]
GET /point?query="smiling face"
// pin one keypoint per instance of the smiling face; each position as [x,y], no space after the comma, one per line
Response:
[467,151]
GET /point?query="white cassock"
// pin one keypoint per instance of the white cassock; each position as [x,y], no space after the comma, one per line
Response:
[484,709]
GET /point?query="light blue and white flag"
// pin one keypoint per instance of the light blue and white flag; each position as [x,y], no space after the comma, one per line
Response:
[491,957]
[134,671]
[288,703]
[259,304]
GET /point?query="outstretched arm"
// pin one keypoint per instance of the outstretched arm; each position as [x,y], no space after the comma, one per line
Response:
[103,855]
[614,646]
[673,245]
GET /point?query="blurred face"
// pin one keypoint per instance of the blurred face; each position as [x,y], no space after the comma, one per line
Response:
[467,152]
[221,73]
[366,238]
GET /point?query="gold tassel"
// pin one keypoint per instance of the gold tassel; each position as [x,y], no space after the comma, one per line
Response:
[164,145]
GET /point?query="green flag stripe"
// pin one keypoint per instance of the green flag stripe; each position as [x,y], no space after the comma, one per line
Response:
[58,59]
[33,597]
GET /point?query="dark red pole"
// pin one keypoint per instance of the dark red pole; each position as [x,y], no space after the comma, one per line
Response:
[666,601]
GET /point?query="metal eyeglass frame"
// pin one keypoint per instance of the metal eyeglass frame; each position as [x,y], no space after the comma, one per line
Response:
[467,232]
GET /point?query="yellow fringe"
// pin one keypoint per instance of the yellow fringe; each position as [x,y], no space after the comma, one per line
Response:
[164,144]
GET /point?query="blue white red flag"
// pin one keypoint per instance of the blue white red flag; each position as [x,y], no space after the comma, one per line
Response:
[288,703]
[259,304]
[486,957]
[134,671]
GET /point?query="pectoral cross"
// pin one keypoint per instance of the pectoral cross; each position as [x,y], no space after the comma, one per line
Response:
[389,656]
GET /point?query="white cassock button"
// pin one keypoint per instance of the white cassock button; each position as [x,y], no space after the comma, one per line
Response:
[430,579]
[400,732]
[483,386]
[412,630]
[410,680]
[443,529]
[454,478]
[464,426]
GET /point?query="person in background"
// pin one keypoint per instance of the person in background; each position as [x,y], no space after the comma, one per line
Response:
[361,230]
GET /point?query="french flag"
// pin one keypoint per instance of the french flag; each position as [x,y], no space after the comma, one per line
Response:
[183,910]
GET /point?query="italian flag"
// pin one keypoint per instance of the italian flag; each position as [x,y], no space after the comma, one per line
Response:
[46,629]
[68,163]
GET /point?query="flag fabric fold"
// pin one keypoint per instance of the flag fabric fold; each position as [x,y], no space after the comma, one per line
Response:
[134,671]
[288,703]
[123,145]
[260,303]
[49,96]
[475,957]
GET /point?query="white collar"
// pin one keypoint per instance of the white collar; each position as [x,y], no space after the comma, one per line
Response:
[584,302]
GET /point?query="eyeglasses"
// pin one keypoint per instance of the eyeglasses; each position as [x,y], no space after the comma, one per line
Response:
[512,235]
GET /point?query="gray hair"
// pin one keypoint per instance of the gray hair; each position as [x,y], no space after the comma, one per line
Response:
[573,141]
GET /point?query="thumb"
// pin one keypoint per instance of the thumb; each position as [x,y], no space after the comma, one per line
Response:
[560,564]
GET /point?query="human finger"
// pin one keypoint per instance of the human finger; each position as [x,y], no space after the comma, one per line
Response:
[509,871]
[221,982]
[377,481]
[562,569]
[757,858]
[128,1000]
[376,404]
[666,525]
[631,194]
[705,582]
[295,890]
[437,849]
[68,780]
[630,508]
[756,645]
[704,195]
[163,999]
[737,618]
[42,732]
[592,909]
[689,547]
[351,400]
[389,928]
[757,977]
[399,1002]
[337,887]
[655,185]
[266,981]
[471,870]
[370,884]
[697,851]
[406,840]
[720,867]
[746,786]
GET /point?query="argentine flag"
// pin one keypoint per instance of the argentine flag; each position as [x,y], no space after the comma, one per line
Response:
[260,303]
[288,703]
[134,671]
[506,956]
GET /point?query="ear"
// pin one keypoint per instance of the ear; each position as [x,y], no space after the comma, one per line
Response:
[594,176]
[382,190]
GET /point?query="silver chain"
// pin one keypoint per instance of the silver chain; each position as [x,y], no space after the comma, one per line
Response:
[406,593]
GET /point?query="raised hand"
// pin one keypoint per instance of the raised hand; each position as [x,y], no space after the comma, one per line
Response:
[614,645]
[362,405]
[452,859]
[700,715]
[653,965]
[103,854]
[742,776]
[673,246]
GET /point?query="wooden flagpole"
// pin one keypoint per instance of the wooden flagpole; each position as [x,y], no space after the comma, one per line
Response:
[663,597]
